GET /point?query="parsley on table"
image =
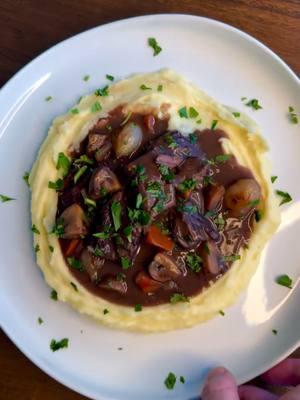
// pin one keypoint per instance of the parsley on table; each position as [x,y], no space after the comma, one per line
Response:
[126,262]
[59,227]
[284,280]
[74,286]
[236,114]
[4,198]
[75,263]
[274,331]
[48,98]
[170,381]
[26,178]
[105,311]
[58,185]
[40,321]
[214,124]
[53,295]
[96,107]
[178,297]
[138,307]
[166,173]
[35,229]
[254,104]
[273,178]
[293,116]
[144,87]
[152,42]
[285,197]
[86,78]
[183,112]
[194,261]
[79,173]
[159,88]
[63,163]
[109,77]
[102,91]
[116,210]
[221,312]
[193,138]
[181,379]
[193,113]
[57,345]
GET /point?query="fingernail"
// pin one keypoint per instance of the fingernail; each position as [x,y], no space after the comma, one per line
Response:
[215,373]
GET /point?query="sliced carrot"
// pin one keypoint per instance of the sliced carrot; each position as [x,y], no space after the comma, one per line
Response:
[147,284]
[157,238]
[187,193]
[71,247]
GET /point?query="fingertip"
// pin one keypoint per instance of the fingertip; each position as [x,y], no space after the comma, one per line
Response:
[220,383]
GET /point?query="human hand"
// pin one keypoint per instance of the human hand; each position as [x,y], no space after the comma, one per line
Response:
[220,384]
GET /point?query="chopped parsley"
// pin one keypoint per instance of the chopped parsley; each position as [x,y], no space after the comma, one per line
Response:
[170,142]
[96,107]
[138,307]
[37,248]
[35,229]
[231,258]
[154,188]
[178,297]
[58,185]
[219,159]
[188,208]
[75,263]
[253,103]
[63,163]
[4,198]
[102,91]
[79,173]
[101,235]
[139,200]
[51,249]
[284,280]
[194,261]
[159,88]
[214,124]
[48,98]
[90,202]
[105,311]
[126,119]
[84,159]
[121,277]
[116,210]
[86,78]
[144,87]
[170,381]
[274,331]
[183,112]
[109,77]
[166,173]
[193,138]
[187,185]
[74,111]
[40,321]
[193,113]
[181,379]
[108,127]
[53,295]
[254,203]
[292,115]
[126,262]
[74,286]
[221,312]
[199,121]
[285,197]
[59,227]
[273,178]
[140,216]
[152,42]
[26,178]
[128,233]
[258,215]
[236,114]
[98,252]
[57,345]
[206,248]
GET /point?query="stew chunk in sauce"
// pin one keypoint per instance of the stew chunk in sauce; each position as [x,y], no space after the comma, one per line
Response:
[148,213]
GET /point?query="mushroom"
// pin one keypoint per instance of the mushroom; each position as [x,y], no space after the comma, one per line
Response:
[95,141]
[211,257]
[103,181]
[163,268]
[241,196]
[103,152]
[147,284]
[214,198]
[75,222]
[128,140]
[112,283]
[92,264]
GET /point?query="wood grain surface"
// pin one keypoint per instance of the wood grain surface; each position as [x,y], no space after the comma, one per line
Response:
[28,27]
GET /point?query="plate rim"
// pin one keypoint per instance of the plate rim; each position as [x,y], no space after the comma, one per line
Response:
[66,381]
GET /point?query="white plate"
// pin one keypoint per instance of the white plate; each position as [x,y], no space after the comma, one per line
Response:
[228,64]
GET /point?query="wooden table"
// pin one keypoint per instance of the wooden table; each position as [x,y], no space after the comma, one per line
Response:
[28,27]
